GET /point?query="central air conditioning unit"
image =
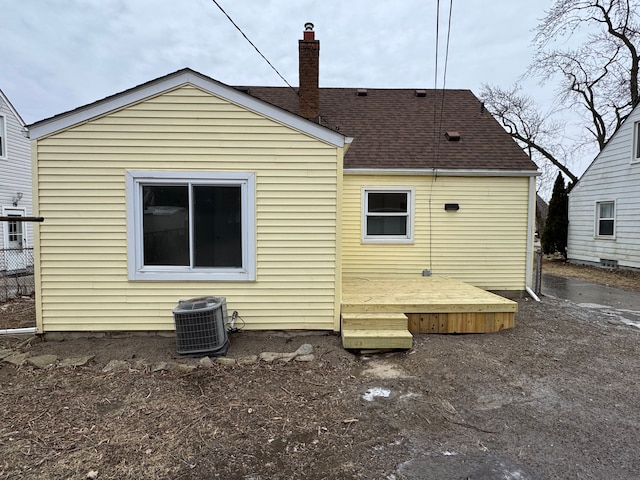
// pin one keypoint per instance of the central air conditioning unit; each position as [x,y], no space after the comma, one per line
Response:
[201,326]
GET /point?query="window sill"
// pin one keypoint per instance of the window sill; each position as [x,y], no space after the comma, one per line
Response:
[176,275]
[387,241]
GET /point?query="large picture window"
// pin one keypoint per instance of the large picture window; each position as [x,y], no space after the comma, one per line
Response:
[605,219]
[387,215]
[191,226]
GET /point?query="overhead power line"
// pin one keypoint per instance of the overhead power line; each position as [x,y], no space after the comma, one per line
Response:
[437,123]
[252,44]
[268,62]
[444,76]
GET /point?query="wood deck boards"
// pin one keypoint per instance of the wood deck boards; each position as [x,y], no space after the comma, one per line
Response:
[366,339]
[434,304]
[436,294]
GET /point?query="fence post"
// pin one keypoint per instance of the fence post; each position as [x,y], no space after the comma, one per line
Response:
[537,280]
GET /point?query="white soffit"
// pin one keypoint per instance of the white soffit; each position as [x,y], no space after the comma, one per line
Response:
[443,172]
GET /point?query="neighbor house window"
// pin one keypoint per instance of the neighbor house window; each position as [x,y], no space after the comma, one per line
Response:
[605,219]
[636,143]
[14,231]
[387,215]
[191,226]
[3,137]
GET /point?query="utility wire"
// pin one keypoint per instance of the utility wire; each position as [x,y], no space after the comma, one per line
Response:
[270,64]
[252,44]
[437,125]
[435,134]
[444,83]
[435,72]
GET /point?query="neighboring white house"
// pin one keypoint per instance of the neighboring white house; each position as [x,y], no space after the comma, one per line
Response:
[15,189]
[604,206]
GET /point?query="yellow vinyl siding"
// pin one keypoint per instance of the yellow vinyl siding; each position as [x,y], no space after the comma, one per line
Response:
[83,243]
[484,243]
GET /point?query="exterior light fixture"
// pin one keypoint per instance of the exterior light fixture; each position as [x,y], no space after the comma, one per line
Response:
[17,198]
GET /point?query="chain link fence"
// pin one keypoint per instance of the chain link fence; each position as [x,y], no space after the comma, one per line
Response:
[16,273]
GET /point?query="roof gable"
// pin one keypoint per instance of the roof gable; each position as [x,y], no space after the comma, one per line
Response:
[174,80]
[609,152]
[5,100]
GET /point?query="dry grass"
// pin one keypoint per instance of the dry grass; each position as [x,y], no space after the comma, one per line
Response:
[618,278]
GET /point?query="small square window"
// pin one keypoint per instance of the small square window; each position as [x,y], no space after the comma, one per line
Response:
[387,215]
[605,219]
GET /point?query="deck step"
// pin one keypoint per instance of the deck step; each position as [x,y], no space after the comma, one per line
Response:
[374,321]
[367,339]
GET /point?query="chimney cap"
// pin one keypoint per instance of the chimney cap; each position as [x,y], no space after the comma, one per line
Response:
[308,35]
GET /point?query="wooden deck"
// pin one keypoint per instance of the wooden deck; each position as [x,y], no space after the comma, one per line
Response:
[434,304]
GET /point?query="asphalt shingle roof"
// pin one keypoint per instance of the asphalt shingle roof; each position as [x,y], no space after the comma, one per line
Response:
[391,128]
[395,128]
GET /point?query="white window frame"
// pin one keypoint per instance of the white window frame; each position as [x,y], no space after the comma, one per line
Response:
[4,149]
[635,153]
[136,268]
[388,239]
[598,218]
[18,212]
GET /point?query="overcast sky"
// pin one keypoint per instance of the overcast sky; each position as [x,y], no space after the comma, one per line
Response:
[61,54]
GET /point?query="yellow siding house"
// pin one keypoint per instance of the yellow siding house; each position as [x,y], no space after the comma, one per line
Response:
[179,188]
[275,198]
[483,242]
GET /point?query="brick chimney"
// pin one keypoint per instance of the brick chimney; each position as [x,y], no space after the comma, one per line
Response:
[309,56]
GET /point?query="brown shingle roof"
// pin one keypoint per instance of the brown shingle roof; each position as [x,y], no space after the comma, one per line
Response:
[395,128]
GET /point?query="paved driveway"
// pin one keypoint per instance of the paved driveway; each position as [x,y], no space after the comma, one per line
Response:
[621,305]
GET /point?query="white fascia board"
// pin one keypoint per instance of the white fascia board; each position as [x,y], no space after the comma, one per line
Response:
[172,81]
[442,172]
[10,106]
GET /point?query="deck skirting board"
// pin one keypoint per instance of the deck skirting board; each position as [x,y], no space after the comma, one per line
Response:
[460,322]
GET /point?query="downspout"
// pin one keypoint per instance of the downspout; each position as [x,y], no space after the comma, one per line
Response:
[35,209]
[531,216]
[337,315]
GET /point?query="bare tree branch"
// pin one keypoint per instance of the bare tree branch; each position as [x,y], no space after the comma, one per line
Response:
[614,30]
[521,118]
[598,79]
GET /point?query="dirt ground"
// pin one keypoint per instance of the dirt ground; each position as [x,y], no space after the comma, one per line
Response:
[554,397]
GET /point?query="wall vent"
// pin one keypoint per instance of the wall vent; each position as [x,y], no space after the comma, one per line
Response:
[452,136]
[606,262]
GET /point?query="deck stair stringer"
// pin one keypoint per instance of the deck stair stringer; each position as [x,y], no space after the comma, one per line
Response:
[362,330]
